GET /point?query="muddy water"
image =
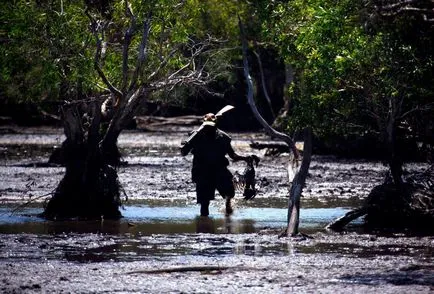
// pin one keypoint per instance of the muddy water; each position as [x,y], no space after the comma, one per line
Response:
[161,229]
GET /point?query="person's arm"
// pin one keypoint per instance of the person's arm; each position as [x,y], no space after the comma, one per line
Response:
[185,148]
[187,145]
[236,157]
[250,159]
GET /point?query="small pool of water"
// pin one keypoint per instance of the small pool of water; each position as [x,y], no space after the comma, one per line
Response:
[148,219]
[264,217]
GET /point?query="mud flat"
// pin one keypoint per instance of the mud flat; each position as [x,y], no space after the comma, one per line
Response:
[162,246]
[214,263]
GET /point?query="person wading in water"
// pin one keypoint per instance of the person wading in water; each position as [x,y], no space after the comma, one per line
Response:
[209,146]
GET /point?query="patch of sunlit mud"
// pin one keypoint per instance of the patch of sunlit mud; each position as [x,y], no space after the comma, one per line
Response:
[155,169]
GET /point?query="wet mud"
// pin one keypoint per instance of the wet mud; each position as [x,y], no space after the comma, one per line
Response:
[163,246]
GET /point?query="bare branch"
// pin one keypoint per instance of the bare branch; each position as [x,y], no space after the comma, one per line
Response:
[186,75]
[264,87]
[142,52]
[179,70]
[163,63]
[95,27]
[196,49]
[268,129]
[397,4]
[426,107]
[424,9]
[192,73]
[129,33]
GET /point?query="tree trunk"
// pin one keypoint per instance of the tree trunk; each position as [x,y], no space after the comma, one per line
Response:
[90,187]
[395,162]
[297,186]
[301,174]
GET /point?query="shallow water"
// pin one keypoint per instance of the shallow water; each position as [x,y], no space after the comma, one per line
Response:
[150,232]
[145,219]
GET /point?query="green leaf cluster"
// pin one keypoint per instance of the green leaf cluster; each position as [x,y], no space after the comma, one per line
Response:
[47,48]
[44,50]
[351,63]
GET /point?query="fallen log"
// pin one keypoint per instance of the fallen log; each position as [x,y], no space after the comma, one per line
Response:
[155,122]
[274,147]
[200,268]
[339,223]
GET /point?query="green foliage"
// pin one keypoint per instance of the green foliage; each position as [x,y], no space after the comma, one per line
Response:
[44,49]
[350,63]
[48,49]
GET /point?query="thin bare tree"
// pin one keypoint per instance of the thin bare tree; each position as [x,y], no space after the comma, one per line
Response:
[296,173]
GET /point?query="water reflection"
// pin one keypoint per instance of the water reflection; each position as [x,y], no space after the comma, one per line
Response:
[145,232]
[148,220]
[226,225]
[205,224]
[155,236]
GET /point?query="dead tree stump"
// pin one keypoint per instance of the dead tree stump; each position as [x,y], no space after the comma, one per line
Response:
[408,206]
[90,188]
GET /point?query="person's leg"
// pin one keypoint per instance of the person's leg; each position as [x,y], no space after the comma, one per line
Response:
[225,187]
[204,208]
[228,206]
[204,194]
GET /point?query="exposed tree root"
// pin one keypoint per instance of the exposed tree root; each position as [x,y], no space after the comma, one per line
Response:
[90,188]
[408,206]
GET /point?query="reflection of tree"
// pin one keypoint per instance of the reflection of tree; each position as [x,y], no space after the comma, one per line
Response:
[91,226]
[228,225]
[244,226]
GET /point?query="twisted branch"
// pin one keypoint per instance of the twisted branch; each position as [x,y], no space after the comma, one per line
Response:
[425,9]
[268,129]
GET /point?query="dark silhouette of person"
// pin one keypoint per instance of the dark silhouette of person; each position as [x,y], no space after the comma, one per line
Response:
[209,146]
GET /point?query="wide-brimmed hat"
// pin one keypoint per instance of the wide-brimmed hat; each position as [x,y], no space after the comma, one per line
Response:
[209,119]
